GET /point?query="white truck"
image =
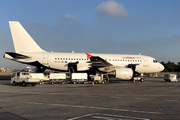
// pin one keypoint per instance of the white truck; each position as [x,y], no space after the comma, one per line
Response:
[170,78]
[57,78]
[24,78]
[100,78]
[79,78]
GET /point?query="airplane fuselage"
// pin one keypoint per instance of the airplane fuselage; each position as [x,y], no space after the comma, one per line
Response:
[60,61]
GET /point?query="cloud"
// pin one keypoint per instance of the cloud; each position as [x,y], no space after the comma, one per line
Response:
[69,17]
[177,37]
[111,8]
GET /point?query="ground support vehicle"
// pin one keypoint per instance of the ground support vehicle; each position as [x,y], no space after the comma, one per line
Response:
[100,78]
[170,78]
[45,80]
[57,78]
[79,78]
[25,78]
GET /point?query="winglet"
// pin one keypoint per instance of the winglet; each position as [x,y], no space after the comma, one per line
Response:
[88,55]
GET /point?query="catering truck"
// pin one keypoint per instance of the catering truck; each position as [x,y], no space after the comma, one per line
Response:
[25,78]
[100,78]
[57,78]
[79,78]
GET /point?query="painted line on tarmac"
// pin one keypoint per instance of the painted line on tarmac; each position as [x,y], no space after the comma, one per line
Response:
[101,108]
[88,107]
[5,100]
[116,97]
[89,94]
[172,100]
[39,103]
[81,116]
[106,117]
[141,99]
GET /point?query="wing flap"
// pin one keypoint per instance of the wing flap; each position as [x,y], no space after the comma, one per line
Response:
[98,61]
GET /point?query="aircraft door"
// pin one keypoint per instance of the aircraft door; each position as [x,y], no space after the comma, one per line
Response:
[72,67]
[45,59]
[145,62]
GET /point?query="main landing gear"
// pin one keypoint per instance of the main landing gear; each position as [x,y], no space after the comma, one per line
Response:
[142,79]
[139,78]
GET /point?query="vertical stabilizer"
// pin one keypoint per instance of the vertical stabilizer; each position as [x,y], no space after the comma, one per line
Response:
[22,40]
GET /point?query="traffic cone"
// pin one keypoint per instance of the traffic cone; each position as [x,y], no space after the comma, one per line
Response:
[93,83]
[134,81]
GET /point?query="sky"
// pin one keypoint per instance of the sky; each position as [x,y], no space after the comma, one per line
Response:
[149,27]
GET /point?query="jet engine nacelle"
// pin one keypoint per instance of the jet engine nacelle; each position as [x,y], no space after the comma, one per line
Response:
[124,73]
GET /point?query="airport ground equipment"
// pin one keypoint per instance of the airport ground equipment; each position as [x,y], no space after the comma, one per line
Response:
[139,79]
[170,77]
[57,78]
[100,78]
[79,78]
[24,78]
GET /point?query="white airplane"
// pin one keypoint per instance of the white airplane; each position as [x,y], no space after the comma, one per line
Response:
[119,66]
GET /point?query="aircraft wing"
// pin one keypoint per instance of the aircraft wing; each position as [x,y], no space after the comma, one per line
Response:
[104,65]
[17,56]
[100,63]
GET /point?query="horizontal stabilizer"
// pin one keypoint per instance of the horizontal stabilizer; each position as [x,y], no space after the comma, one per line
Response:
[17,56]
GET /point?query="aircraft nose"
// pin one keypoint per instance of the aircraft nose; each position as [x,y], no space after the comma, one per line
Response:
[161,67]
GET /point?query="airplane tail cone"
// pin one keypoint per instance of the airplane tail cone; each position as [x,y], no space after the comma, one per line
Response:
[93,83]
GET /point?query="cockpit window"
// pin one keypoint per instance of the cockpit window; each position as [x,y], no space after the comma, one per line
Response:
[155,61]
